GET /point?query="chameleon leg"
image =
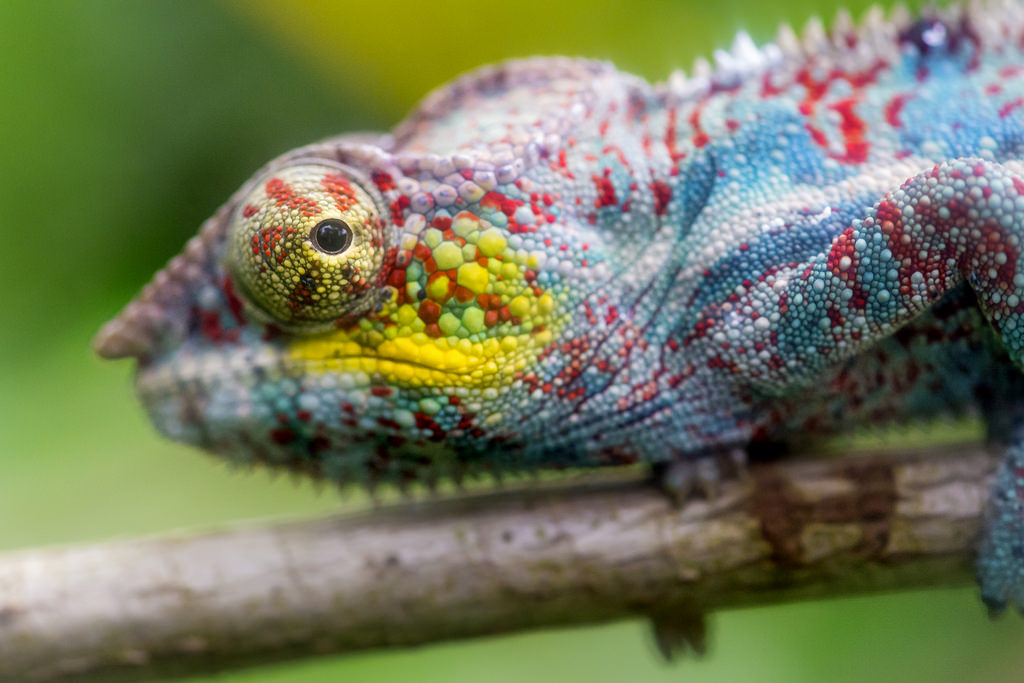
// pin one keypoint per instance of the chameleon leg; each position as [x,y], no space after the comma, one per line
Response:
[1001,560]
[961,221]
[684,477]
[679,629]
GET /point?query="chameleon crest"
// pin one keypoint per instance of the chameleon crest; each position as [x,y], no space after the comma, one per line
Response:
[551,263]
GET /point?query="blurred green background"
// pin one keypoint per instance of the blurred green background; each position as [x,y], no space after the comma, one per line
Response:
[123,125]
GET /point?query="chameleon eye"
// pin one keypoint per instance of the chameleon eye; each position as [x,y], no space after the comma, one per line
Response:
[307,246]
[332,236]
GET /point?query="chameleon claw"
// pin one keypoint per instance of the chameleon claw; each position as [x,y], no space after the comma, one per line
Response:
[678,630]
[995,607]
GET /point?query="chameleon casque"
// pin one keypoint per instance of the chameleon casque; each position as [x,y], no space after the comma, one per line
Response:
[551,263]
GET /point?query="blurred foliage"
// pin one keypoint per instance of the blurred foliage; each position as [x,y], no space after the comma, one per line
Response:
[123,125]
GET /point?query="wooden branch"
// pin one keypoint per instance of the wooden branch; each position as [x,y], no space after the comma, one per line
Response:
[425,572]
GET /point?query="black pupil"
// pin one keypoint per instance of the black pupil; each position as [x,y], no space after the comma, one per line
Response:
[332,236]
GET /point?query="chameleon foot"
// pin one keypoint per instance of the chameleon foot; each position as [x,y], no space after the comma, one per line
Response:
[678,630]
[1001,559]
[687,477]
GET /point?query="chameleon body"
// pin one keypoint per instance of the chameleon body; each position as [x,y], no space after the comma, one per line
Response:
[551,263]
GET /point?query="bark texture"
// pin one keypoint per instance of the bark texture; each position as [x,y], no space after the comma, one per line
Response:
[418,573]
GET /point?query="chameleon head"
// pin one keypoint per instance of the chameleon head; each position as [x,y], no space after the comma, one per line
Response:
[306,327]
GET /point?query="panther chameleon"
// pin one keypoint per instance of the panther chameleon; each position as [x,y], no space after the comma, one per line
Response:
[551,263]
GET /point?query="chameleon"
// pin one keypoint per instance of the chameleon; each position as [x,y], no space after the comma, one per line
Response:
[554,264]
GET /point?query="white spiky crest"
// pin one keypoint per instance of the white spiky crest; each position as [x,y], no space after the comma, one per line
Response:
[875,37]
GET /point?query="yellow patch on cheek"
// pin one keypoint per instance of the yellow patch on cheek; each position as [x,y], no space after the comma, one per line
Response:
[420,361]
[468,315]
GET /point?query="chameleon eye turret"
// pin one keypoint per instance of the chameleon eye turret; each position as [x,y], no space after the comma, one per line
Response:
[307,246]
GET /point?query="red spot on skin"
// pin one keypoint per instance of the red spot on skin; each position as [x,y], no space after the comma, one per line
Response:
[893,109]
[397,215]
[211,328]
[234,303]
[768,88]
[396,278]
[338,187]
[617,151]
[497,200]
[383,181]
[816,135]
[835,317]
[699,330]
[266,240]
[861,79]
[718,363]
[429,311]
[605,191]
[662,196]
[249,211]
[843,246]
[853,129]
[422,252]
[906,250]
[382,392]
[699,137]
[388,423]
[284,195]
[815,90]
[1008,108]
[671,140]
[282,436]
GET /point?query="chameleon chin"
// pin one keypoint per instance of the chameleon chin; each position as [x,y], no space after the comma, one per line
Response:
[551,263]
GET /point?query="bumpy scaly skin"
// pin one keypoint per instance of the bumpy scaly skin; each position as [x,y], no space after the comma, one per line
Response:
[571,267]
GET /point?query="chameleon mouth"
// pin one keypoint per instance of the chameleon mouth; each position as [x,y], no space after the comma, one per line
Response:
[373,361]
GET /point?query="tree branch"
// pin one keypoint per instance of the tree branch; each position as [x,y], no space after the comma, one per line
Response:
[425,572]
